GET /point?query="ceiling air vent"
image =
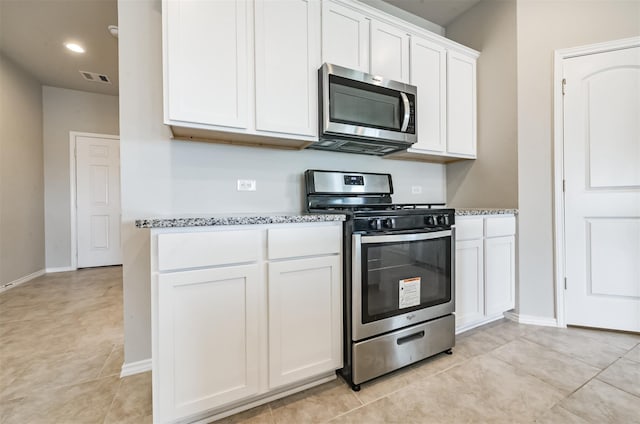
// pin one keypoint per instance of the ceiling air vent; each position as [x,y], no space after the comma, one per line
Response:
[95,77]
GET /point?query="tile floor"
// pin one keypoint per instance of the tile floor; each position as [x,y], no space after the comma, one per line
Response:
[61,352]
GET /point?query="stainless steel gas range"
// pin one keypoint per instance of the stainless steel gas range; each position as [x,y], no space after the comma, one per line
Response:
[398,273]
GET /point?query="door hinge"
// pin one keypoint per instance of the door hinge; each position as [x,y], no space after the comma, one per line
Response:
[564,185]
[565,283]
[564,85]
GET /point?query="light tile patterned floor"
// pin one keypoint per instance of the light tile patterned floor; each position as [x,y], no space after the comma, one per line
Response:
[61,352]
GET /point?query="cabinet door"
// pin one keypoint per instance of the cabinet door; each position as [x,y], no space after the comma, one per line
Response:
[287,36]
[389,52]
[205,46]
[345,37]
[461,104]
[428,73]
[207,340]
[500,274]
[305,319]
[469,282]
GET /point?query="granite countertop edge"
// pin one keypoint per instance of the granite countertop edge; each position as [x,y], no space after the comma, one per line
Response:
[485,211]
[207,221]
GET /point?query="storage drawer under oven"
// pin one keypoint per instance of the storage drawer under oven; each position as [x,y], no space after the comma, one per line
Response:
[380,355]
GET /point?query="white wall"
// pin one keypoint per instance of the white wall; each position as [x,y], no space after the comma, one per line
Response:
[491,180]
[165,177]
[67,110]
[21,179]
[542,27]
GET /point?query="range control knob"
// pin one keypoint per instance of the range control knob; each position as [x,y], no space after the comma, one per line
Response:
[442,219]
[375,224]
[389,223]
[429,221]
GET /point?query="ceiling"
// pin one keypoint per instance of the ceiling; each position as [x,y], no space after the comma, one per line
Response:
[33,33]
[441,12]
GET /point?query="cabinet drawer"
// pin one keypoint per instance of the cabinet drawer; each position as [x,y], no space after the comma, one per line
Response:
[500,226]
[191,250]
[307,241]
[468,228]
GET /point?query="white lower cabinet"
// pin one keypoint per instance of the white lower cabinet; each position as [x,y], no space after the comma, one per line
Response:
[208,339]
[485,269]
[237,320]
[304,319]
[469,282]
[500,274]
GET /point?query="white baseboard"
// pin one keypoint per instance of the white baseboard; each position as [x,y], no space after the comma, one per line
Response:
[21,280]
[133,368]
[531,320]
[462,328]
[61,269]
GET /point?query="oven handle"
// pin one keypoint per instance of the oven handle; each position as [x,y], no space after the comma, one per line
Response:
[404,237]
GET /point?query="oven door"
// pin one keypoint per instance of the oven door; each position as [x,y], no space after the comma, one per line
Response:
[400,280]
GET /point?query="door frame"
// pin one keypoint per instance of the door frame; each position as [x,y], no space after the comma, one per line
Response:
[558,151]
[73,190]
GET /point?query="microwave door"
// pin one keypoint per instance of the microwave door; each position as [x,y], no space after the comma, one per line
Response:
[362,105]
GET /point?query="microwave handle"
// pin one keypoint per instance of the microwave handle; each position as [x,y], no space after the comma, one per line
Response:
[407,112]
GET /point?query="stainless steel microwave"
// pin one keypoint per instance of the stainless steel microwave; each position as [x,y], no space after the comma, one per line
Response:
[364,113]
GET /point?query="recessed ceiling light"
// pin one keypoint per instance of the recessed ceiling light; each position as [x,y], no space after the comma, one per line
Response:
[74,47]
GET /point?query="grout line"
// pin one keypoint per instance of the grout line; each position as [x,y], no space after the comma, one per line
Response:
[569,355]
[112,401]
[611,384]
[113,346]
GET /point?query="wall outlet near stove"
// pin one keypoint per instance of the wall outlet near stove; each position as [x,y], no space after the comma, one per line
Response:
[246,185]
[416,189]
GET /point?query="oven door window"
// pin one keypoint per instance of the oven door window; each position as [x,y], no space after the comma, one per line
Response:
[401,277]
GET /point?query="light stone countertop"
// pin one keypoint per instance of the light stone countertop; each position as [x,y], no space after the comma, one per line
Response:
[236,219]
[485,211]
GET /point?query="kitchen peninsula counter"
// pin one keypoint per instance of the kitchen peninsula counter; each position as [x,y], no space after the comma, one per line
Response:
[485,211]
[236,219]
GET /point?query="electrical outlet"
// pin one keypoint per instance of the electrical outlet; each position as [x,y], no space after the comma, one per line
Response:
[416,189]
[246,185]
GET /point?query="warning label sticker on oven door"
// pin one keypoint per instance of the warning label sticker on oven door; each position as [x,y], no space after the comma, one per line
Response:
[409,292]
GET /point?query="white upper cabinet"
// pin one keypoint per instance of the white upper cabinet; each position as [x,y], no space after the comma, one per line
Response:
[345,37]
[429,74]
[199,89]
[246,71]
[389,52]
[287,39]
[461,104]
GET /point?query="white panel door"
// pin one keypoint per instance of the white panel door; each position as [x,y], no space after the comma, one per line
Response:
[206,62]
[602,197]
[499,274]
[389,52]
[429,74]
[461,104]
[345,37]
[98,201]
[208,352]
[287,36]
[469,282]
[305,319]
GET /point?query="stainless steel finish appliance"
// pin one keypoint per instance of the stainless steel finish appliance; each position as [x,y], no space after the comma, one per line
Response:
[398,273]
[364,113]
